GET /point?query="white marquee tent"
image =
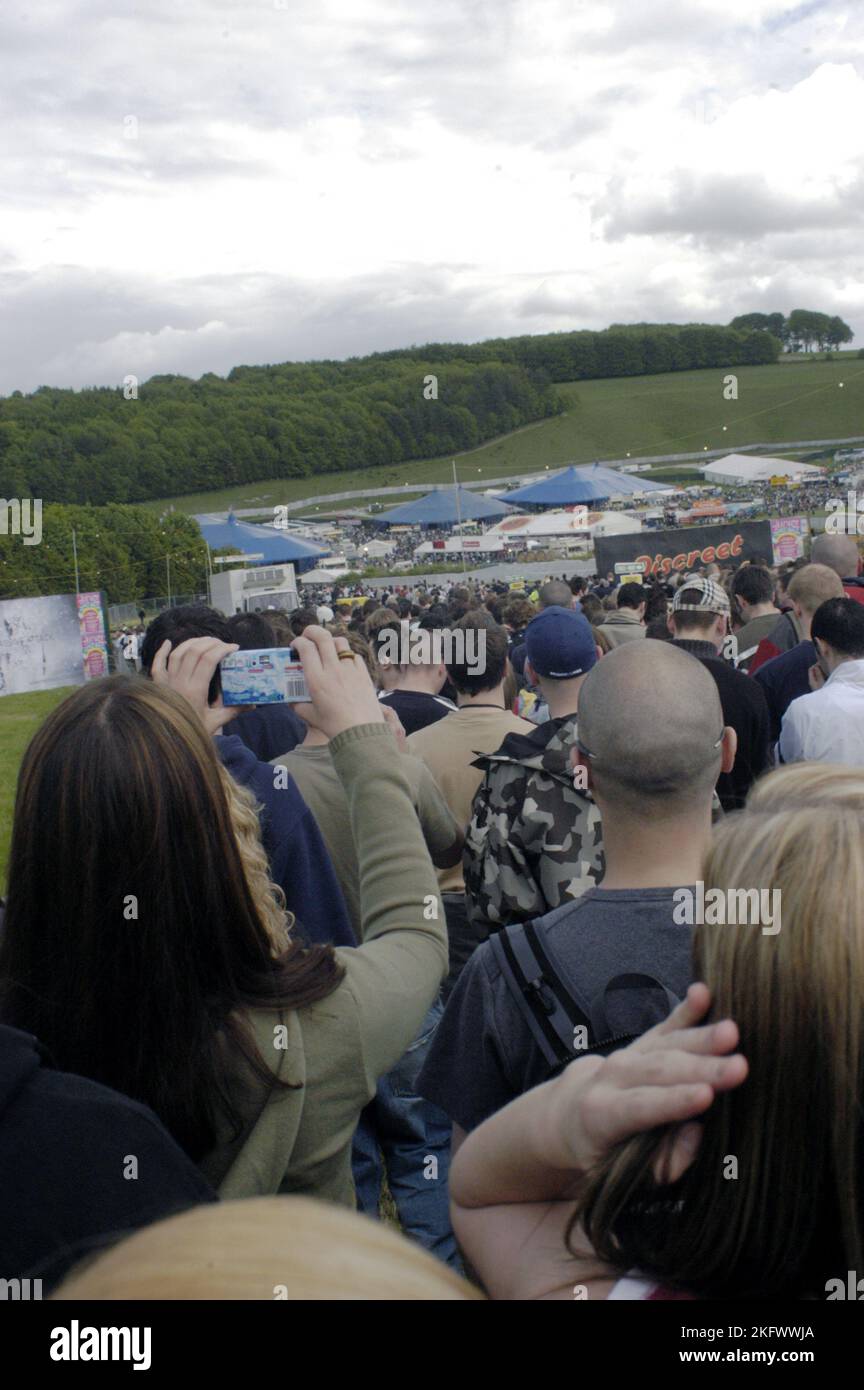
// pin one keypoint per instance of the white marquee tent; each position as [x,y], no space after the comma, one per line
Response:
[736,470]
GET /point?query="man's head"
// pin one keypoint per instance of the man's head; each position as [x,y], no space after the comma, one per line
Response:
[484,646]
[839,553]
[651,733]
[592,608]
[556,593]
[753,590]
[700,612]
[578,585]
[560,650]
[251,631]
[176,625]
[302,618]
[409,656]
[837,632]
[633,597]
[518,613]
[810,587]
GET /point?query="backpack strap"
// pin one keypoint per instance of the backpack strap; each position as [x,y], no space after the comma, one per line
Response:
[547,1005]
[544,1002]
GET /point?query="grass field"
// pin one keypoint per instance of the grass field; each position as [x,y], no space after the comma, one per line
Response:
[678,412]
[20,717]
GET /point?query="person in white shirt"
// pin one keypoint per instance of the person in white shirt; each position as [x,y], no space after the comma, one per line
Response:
[828,725]
[130,652]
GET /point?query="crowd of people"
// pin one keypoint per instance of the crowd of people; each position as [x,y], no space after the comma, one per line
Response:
[532,978]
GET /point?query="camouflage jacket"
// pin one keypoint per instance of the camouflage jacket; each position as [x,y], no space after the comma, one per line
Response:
[534,840]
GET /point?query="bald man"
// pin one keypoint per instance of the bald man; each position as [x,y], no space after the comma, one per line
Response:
[651,745]
[841,554]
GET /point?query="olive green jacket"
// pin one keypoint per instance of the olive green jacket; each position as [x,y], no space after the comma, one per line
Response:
[334,1051]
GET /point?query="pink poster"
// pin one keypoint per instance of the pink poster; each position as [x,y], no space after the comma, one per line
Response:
[94,643]
[788,537]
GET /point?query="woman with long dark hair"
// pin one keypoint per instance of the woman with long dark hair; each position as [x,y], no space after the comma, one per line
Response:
[141,950]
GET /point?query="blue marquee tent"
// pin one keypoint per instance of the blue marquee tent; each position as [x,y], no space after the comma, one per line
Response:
[274,546]
[443,508]
[577,485]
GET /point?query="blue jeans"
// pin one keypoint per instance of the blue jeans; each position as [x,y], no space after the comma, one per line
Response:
[401,1133]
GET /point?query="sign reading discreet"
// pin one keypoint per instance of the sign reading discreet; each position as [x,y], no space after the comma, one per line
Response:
[659,553]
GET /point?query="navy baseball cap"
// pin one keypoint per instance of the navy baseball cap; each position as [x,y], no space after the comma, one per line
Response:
[560,644]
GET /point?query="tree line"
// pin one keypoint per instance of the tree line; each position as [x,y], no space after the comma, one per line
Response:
[128,552]
[172,434]
[801,331]
[622,350]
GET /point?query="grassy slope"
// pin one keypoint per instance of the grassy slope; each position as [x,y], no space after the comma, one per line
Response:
[678,412]
[20,716]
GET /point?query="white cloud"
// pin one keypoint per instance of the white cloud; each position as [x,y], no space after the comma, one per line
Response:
[338,176]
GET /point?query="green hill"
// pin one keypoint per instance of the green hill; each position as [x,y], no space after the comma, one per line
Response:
[301,419]
[676,412]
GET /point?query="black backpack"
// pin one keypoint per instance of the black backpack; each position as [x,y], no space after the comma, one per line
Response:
[548,1006]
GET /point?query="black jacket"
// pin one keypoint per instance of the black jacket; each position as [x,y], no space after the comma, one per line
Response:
[66,1151]
[745,709]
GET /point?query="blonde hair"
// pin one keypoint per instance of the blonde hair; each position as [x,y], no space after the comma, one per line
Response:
[801,785]
[267,896]
[269,1248]
[794,1215]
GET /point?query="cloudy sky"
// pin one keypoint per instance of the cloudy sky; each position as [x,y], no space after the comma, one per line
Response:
[190,184]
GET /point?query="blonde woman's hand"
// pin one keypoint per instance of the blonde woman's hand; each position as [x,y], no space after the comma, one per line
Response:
[189,668]
[667,1077]
[341,690]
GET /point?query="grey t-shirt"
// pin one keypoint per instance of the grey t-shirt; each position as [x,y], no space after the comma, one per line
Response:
[484,1055]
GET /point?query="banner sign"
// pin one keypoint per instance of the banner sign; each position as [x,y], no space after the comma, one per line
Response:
[40,644]
[94,638]
[660,553]
[788,537]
